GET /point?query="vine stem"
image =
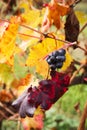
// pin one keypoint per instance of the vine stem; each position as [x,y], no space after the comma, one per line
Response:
[19,124]
[3,114]
[84,26]
[47,36]
[28,27]
[25,26]
[82,48]
[83,118]
[69,43]
[14,117]
[29,35]
[75,73]
[7,109]
[77,1]
[65,47]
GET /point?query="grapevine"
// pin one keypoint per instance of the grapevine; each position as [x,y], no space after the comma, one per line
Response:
[37,61]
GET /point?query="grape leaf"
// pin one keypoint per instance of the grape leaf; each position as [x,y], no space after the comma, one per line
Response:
[20,70]
[53,15]
[36,122]
[71,27]
[6,75]
[7,42]
[82,17]
[68,61]
[5,96]
[32,17]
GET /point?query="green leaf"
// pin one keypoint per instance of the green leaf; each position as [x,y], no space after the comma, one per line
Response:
[32,70]
[6,74]
[20,70]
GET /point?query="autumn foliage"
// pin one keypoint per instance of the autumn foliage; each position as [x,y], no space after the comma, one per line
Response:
[27,82]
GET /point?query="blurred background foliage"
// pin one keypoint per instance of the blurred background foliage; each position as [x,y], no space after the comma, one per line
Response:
[66,113]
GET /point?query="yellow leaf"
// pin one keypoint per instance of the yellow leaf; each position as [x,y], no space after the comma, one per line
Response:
[82,17]
[7,42]
[25,6]
[6,75]
[67,62]
[32,17]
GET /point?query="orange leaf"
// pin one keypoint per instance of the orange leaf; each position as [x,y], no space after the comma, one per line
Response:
[22,82]
[5,96]
[36,122]
[53,13]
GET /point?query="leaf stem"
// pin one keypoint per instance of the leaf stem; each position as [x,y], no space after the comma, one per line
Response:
[68,44]
[83,118]
[47,35]
[25,26]
[82,48]
[29,35]
[84,26]
[3,114]
[7,109]
[75,3]
[28,27]
[75,73]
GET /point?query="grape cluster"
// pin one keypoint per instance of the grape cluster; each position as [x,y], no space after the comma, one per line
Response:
[56,59]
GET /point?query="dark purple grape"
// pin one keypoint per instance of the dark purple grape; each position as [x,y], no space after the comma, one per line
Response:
[59,65]
[48,57]
[55,53]
[51,60]
[53,66]
[48,61]
[63,58]
[62,52]
[56,59]
[60,58]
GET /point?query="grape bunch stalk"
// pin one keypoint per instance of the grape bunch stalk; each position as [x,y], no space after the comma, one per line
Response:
[56,59]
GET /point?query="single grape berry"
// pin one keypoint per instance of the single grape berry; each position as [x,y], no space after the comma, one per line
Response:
[56,59]
[60,58]
[52,58]
[59,65]
[53,66]
[49,61]
[62,52]
[55,53]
